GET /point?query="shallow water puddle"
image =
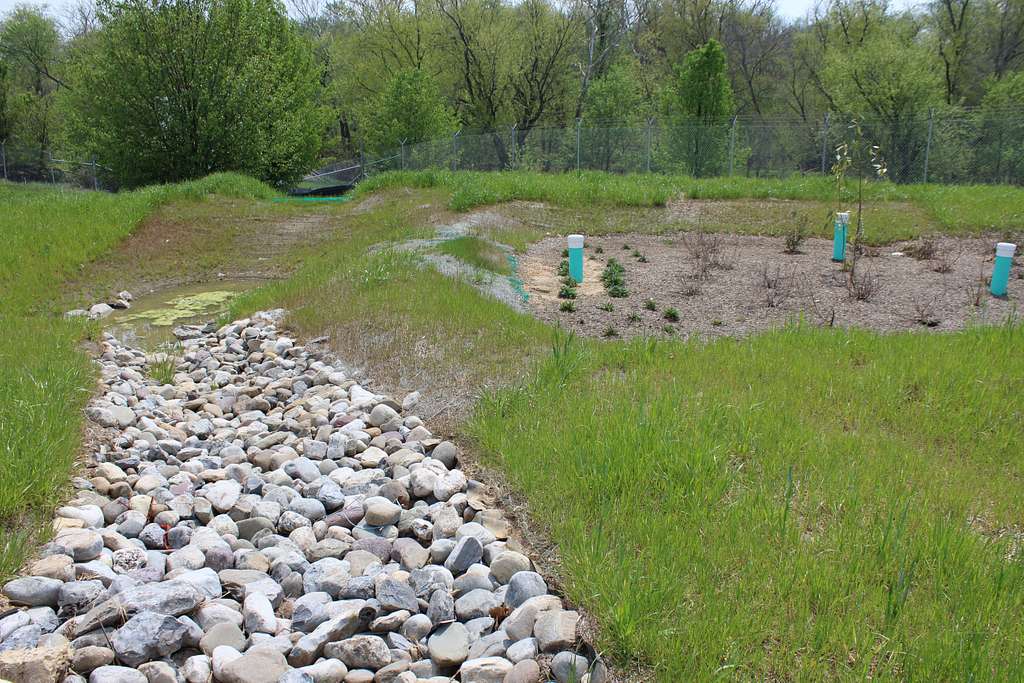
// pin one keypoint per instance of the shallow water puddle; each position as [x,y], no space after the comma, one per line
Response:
[152,317]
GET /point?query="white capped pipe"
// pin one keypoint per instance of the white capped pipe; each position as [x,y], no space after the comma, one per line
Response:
[575,241]
[1006,249]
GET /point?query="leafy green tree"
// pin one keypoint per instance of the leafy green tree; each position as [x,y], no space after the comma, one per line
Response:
[698,108]
[613,107]
[177,89]
[1000,150]
[891,80]
[30,50]
[410,109]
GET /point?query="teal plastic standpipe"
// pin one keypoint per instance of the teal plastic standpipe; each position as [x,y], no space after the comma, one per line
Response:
[839,236]
[1001,269]
[576,257]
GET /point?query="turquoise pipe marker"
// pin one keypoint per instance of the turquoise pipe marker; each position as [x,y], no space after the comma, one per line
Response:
[1001,269]
[576,257]
[839,236]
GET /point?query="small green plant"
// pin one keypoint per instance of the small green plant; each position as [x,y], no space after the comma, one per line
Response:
[569,282]
[598,250]
[563,268]
[614,279]
[717,323]
[636,253]
[565,253]
[163,368]
[671,314]
[634,317]
[567,307]
[642,259]
[650,305]
[668,329]
[610,331]
[607,306]
[626,247]
[567,293]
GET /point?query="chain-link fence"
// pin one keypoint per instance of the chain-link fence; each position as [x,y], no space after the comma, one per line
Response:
[955,146]
[36,163]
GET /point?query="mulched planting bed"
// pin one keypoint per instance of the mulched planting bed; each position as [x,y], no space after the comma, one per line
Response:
[712,284]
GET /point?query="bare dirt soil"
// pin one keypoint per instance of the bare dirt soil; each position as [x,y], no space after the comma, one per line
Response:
[729,285]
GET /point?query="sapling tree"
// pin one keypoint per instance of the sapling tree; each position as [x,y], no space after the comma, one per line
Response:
[861,157]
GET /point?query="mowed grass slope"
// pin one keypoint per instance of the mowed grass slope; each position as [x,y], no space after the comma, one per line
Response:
[49,235]
[894,212]
[801,505]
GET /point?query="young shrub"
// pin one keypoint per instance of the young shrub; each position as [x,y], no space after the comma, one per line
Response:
[634,318]
[607,306]
[924,312]
[650,305]
[945,261]
[691,290]
[567,293]
[671,315]
[642,259]
[775,287]
[794,238]
[923,249]
[862,285]
[598,249]
[610,331]
[668,329]
[567,307]
[563,268]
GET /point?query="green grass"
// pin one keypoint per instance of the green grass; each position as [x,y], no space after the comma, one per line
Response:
[50,235]
[801,505]
[477,252]
[953,209]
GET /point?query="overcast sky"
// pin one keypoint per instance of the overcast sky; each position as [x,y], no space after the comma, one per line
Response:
[791,9]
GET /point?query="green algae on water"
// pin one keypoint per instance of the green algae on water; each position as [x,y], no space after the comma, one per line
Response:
[181,308]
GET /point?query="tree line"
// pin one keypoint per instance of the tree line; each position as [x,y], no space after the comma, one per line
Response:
[162,90]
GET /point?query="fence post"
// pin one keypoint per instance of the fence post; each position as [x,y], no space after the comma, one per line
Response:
[732,144]
[3,155]
[824,144]
[650,125]
[403,154]
[578,122]
[95,170]
[515,143]
[455,150]
[928,143]
[362,160]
